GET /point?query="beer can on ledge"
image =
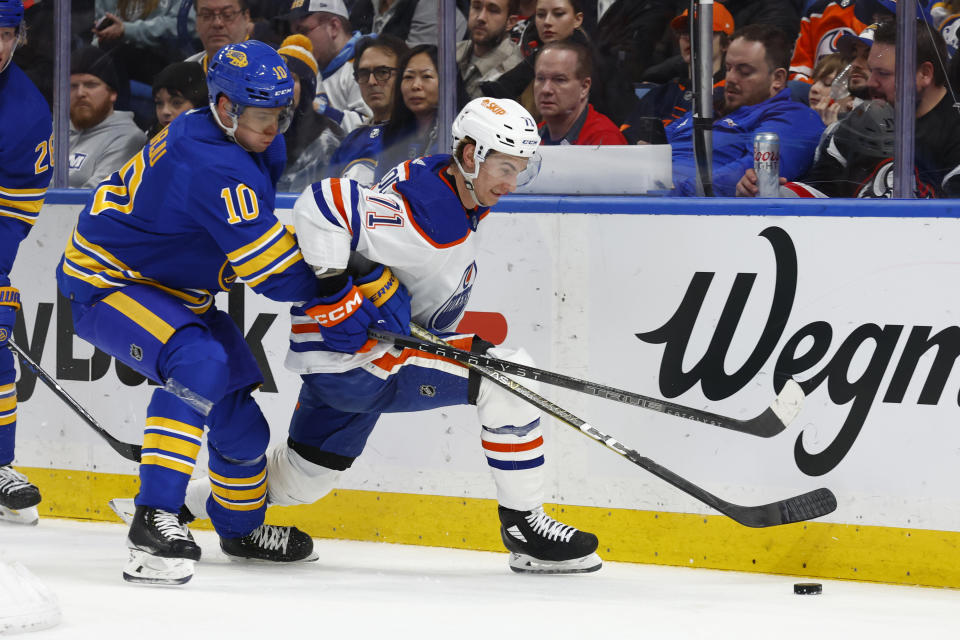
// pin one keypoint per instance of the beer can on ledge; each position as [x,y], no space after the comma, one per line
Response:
[766,162]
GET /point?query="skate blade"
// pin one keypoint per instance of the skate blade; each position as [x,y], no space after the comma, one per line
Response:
[143,568]
[313,557]
[522,563]
[124,508]
[29,516]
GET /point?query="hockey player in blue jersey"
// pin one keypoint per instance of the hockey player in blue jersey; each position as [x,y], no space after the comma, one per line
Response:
[25,171]
[180,221]
[409,246]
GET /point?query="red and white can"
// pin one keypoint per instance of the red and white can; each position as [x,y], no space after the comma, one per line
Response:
[766,162]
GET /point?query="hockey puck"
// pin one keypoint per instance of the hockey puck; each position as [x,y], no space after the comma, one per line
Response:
[808,588]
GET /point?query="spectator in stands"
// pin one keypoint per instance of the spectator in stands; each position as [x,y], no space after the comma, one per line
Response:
[853,77]
[142,35]
[755,99]
[180,87]
[487,52]
[553,21]
[561,87]
[412,130]
[937,131]
[664,103]
[822,25]
[524,15]
[310,141]
[819,98]
[413,21]
[375,68]
[101,139]
[326,23]
[219,23]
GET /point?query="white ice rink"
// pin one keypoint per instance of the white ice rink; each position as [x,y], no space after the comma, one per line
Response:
[375,590]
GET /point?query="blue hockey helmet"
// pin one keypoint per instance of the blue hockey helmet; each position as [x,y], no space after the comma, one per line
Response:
[11,13]
[250,74]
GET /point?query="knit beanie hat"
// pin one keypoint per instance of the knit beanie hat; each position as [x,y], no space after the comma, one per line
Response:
[95,62]
[297,52]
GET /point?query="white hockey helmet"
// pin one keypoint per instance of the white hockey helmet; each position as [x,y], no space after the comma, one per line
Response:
[497,125]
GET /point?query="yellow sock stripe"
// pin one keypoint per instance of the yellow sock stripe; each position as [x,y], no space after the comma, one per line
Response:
[154,324]
[239,482]
[239,494]
[247,506]
[168,463]
[27,206]
[10,402]
[172,444]
[10,419]
[175,425]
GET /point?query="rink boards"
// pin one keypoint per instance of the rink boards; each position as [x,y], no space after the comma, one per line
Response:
[700,309]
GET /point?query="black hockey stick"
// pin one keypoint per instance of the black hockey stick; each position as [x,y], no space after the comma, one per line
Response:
[807,506]
[772,421]
[128,451]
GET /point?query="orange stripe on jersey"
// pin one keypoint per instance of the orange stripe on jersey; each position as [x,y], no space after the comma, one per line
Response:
[338,201]
[388,361]
[512,448]
[312,327]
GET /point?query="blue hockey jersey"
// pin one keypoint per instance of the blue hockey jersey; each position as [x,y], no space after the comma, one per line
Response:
[25,161]
[188,214]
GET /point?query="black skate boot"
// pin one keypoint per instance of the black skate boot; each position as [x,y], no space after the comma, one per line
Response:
[162,551]
[270,543]
[539,544]
[18,497]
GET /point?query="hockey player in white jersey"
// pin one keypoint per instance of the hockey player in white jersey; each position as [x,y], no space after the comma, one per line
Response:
[407,247]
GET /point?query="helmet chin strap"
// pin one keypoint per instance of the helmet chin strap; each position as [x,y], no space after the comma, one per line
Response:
[231,131]
[468,178]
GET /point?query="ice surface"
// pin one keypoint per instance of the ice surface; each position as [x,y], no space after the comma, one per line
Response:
[371,590]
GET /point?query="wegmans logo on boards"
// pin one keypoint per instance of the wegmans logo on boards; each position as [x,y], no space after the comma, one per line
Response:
[802,355]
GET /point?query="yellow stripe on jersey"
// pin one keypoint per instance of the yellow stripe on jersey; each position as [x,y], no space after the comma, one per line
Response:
[294,257]
[105,271]
[27,206]
[265,257]
[243,253]
[154,324]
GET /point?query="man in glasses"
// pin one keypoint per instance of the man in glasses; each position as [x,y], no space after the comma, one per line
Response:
[183,219]
[375,69]
[327,24]
[219,23]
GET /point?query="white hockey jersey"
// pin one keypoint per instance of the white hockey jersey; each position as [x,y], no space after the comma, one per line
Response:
[414,223]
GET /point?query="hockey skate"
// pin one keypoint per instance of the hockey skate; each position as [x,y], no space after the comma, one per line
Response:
[270,543]
[539,544]
[162,551]
[126,507]
[18,498]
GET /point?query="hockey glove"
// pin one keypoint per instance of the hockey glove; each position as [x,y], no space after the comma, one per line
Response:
[9,303]
[344,318]
[389,295]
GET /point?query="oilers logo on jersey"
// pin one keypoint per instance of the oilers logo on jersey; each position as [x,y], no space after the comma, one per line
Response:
[451,310]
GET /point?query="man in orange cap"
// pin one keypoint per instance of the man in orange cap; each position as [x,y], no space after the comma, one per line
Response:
[664,103]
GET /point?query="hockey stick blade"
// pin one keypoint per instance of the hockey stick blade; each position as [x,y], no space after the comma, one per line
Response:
[128,451]
[806,506]
[772,421]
